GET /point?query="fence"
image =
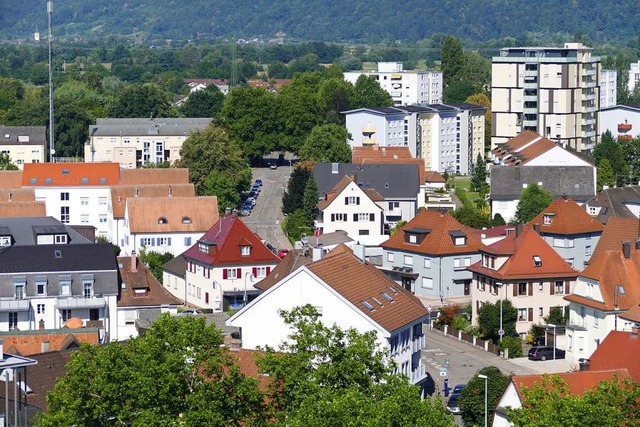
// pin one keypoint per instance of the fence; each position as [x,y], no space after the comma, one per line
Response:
[452,332]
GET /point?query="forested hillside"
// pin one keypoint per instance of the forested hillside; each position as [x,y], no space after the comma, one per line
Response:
[324,20]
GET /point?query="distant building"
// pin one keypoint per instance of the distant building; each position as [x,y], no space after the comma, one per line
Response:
[405,87]
[608,88]
[23,144]
[623,121]
[634,76]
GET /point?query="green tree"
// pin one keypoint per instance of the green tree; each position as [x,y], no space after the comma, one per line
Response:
[612,150]
[498,220]
[606,176]
[397,227]
[472,217]
[367,93]
[327,144]
[472,397]
[11,91]
[203,103]
[154,261]
[298,111]
[163,377]
[142,100]
[479,175]
[325,375]
[452,57]
[489,319]
[292,198]
[533,200]
[212,151]
[296,225]
[558,315]
[116,248]
[310,200]
[335,96]
[513,345]
[5,163]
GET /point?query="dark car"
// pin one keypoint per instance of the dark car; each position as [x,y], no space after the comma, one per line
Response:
[545,352]
[452,404]
[458,389]
[258,182]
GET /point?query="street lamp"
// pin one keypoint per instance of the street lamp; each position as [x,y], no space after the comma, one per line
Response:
[244,297]
[485,378]
[554,339]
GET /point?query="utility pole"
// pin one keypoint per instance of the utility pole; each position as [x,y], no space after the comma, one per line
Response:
[51,124]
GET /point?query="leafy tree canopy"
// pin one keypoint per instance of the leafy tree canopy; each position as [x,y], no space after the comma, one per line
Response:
[5,163]
[472,397]
[533,200]
[203,103]
[327,144]
[145,100]
[452,58]
[369,94]
[489,319]
[154,261]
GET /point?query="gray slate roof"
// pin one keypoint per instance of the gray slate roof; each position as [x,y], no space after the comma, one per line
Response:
[576,182]
[176,267]
[613,201]
[391,181]
[42,258]
[143,127]
[13,135]
[24,230]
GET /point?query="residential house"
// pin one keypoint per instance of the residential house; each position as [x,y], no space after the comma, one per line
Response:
[349,208]
[577,382]
[623,121]
[524,269]
[14,374]
[200,84]
[290,263]
[549,90]
[398,185]
[30,231]
[36,341]
[619,202]
[429,256]
[221,267]
[619,350]
[606,288]
[141,297]
[350,293]
[23,144]
[570,230]
[136,142]
[405,87]
[166,224]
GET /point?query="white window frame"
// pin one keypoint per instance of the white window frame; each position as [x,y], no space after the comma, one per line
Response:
[427,283]
[427,263]
[245,250]
[261,271]
[84,201]
[407,260]
[65,287]
[232,273]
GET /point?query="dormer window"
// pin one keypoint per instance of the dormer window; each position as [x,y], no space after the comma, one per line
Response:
[537,261]
[415,235]
[186,220]
[459,238]
[547,219]
[162,220]
[61,239]
[245,250]
[5,241]
[413,238]
[203,247]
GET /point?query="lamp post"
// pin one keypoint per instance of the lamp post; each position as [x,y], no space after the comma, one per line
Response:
[554,339]
[485,378]
[244,297]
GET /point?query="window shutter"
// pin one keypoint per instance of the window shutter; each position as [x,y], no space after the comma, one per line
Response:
[225,273]
[254,271]
[567,289]
[530,286]
[346,200]
[239,274]
[552,287]
[372,217]
[268,270]
[355,217]
[206,297]
[515,289]
[530,314]
[357,200]
[169,241]
[333,217]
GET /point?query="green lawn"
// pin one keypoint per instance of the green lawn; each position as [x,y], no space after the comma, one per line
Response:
[464,182]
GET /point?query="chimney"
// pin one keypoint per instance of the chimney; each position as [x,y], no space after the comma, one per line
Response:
[227,211]
[626,249]
[134,262]
[317,255]
[584,364]
[634,331]
[518,230]
[359,252]
[536,227]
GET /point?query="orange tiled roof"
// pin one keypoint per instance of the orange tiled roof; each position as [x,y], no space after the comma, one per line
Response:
[619,350]
[632,314]
[154,176]
[520,264]
[70,174]
[22,209]
[142,278]
[438,241]
[388,155]
[120,194]
[523,147]
[359,281]
[17,195]
[286,265]
[567,218]
[10,179]
[434,176]
[615,231]
[145,212]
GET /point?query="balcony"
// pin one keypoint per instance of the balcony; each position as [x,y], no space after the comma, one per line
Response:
[15,305]
[81,302]
[417,344]
[369,129]
[94,324]
[369,141]
[418,375]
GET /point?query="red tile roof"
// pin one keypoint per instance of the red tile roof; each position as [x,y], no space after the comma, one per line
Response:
[632,314]
[70,174]
[10,179]
[520,264]
[22,209]
[615,232]
[438,241]
[567,217]
[120,193]
[619,350]
[225,237]
[154,176]
[145,213]
[434,176]
[359,281]
[141,279]
[17,195]
[286,265]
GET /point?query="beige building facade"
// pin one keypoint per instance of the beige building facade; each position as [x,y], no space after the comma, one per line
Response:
[23,144]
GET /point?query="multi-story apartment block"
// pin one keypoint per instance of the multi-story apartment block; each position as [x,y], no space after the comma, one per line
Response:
[608,88]
[405,87]
[623,121]
[552,91]
[23,144]
[137,142]
[634,76]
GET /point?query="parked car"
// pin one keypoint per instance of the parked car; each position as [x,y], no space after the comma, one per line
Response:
[544,353]
[458,389]
[283,252]
[251,200]
[271,248]
[255,188]
[190,312]
[245,212]
[253,194]
[452,404]
[258,182]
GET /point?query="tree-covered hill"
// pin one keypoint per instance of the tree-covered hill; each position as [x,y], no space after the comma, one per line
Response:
[324,20]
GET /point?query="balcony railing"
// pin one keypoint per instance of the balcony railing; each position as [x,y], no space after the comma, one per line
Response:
[418,344]
[81,302]
[94,324]
[418,375]
[15,305]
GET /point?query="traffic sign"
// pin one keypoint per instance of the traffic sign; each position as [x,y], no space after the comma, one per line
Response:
[501,332]
[443,372]
[316,232]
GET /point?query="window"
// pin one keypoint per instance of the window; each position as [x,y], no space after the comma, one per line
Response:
[163,241]
[352,200]
[587,236]
[162,220]
[540,311]
[231,273]
[64,214]
[146,241]
[102,218]
[40,308]
[408,260]
[19,290]
[61,239]
[394,205]
[338,217]
[363,217]
[85,180]
[461,263]
[537,261]
[522,289]
[460,241]
[427,263]
[522,315]
[245,250]
[84,201]
[595,318]
[427,283]
[84,218]
[87,288]
[64,196]
[13,320]
[260,271]
[390,256]
[66,315]
[102,201]
[547,219]
[413,238]
[186,220]
[187,241]
[587,250]
[41,286]
[65,287]
[363,232]
[559,287]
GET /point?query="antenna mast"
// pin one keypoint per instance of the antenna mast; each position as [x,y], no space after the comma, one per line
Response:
[51,128]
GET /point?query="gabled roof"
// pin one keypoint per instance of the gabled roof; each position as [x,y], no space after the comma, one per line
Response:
[388,155]
[524,252]
[340,187]
[180,214]
[23,209]
[576,182]
[45,259]
[566,218]
[612,202]
[70,174]
[615,232]
[391,181]
[120,193]
[610,268]
[10,179]
[17,195]
[434,176]
[523,148]
[141,279]
[438,240]
[287,265]
[26,229]
[176,267]
[619,350]
[225,238]
[358,281]
[157,176]
[42,377]
[633,314]
[23,135]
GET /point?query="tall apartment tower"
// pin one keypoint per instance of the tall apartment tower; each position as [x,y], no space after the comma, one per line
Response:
[554,92]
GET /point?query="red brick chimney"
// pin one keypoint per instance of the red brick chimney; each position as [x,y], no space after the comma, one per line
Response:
[134,262]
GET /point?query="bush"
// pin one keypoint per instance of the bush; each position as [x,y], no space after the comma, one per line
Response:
[460,323]
[514,344]
[473,330]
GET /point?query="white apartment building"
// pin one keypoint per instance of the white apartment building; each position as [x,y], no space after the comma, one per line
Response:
[405,87]
[137,142]
[552,91]
[634,76]
[608,88]
[23,144]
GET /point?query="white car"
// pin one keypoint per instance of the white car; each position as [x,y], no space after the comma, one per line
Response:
[190,312]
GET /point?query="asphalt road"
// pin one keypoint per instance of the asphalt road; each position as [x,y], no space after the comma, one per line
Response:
[266,217]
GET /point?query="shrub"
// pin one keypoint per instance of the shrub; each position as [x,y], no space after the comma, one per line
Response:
[514,344]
